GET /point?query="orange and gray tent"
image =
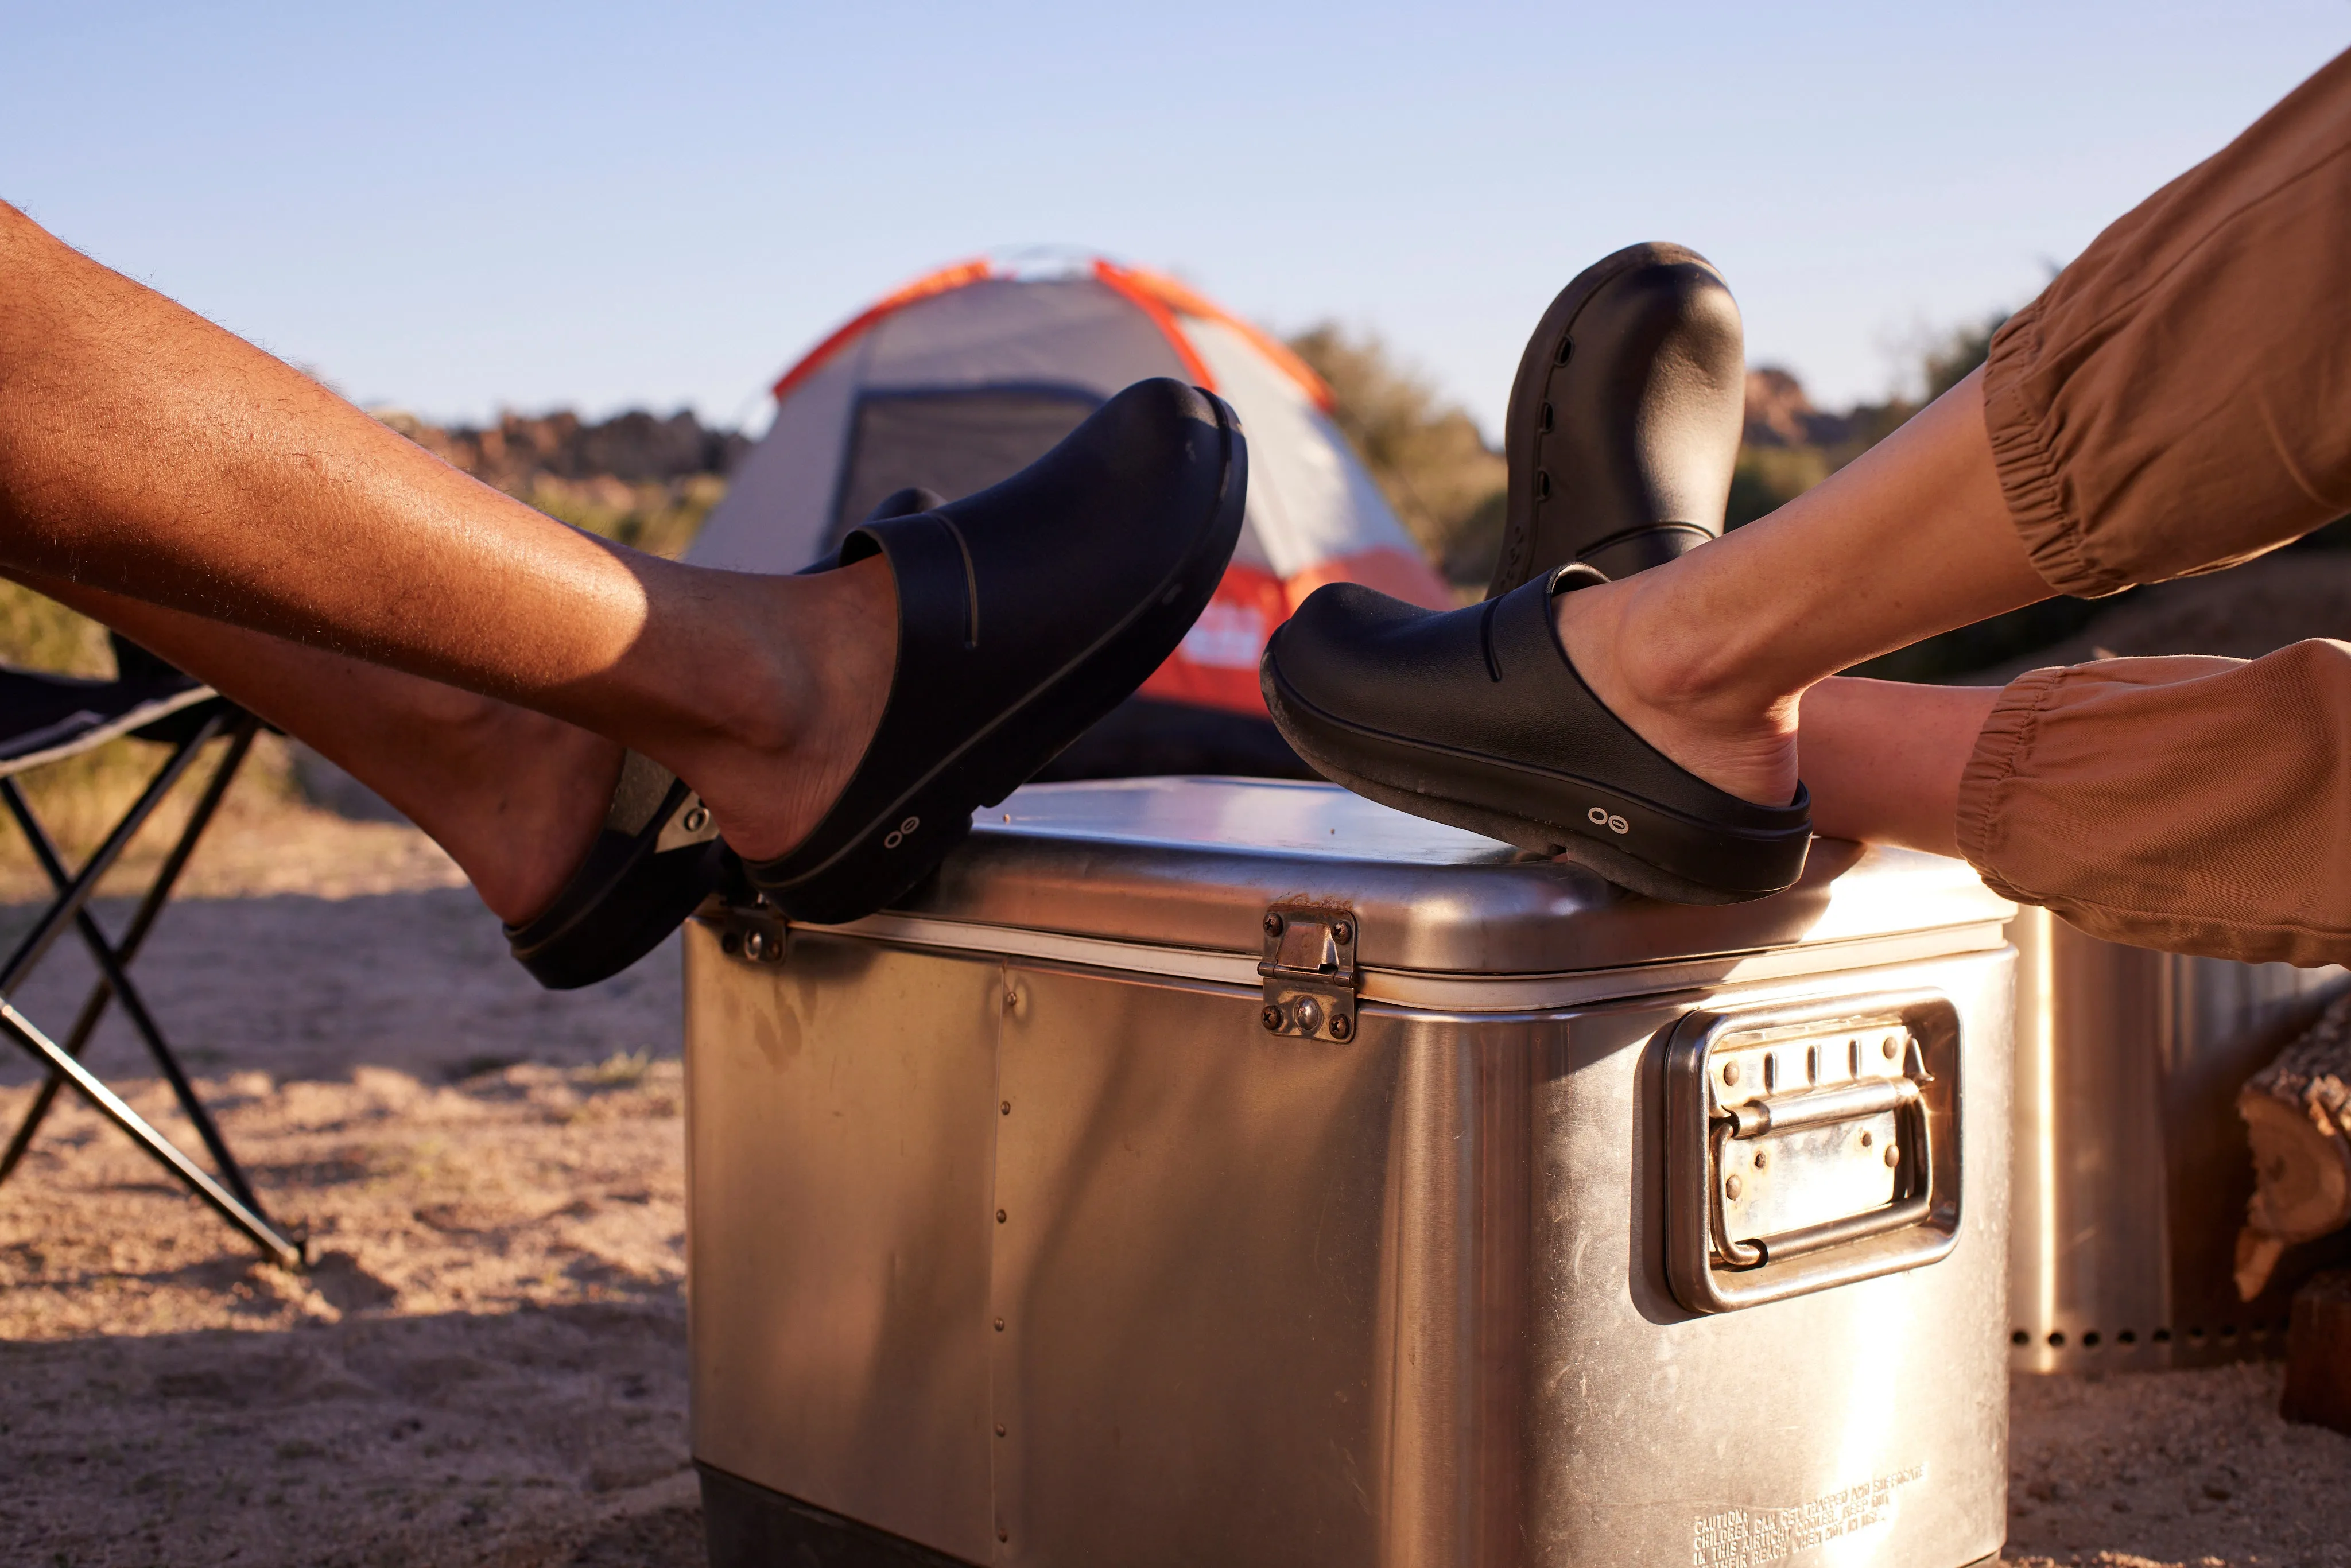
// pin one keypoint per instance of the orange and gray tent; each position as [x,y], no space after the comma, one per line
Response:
[964,377]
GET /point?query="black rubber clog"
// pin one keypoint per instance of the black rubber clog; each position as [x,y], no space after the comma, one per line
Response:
[906,503]
[1623,423]
[900,503]
[656,857]
[1476,718]
[1025,613]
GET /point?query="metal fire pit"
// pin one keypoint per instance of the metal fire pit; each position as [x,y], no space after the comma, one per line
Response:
[2131,1165]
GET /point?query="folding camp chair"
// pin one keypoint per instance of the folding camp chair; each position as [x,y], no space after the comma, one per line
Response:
[46,719]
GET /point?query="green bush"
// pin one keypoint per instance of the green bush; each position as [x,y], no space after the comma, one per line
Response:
[660,519]
[1437,473]
[39,634]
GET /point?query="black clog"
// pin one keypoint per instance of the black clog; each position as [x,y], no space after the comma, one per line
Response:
[656,857]
[1025,613]
[1476,718]
[907,502]
[900,503]
[1623,423]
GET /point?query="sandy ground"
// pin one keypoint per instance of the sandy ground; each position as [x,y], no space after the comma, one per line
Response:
[487,1365]
[2172,1468]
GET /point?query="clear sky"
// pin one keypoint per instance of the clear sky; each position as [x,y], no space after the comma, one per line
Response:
[460,208]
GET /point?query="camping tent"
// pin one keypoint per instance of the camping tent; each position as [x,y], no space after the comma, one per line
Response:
[964,377]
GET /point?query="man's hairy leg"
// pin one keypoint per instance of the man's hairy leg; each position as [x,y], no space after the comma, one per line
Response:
[146,452]
[513,795]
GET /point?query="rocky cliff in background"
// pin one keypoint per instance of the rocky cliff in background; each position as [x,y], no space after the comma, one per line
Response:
[1789,445]
[645,481]
[1779,414]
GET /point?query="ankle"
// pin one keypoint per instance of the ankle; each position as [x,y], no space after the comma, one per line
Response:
[771,748]
[1669,653]
[760,686]
[838,644]
[524,813]
[1656,672]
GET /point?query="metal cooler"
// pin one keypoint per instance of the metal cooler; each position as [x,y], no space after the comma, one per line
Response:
[1220,1172]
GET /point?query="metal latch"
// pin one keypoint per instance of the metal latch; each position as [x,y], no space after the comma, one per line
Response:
[1310,971]
[756,932]
[1809,1146]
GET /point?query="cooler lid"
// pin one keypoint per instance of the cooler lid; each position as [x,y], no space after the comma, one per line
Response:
[1194,864]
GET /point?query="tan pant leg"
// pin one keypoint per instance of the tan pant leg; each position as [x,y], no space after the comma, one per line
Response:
[2199,805]
[2179,397]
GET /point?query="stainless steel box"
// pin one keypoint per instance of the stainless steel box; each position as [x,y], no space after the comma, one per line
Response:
[1237,1173]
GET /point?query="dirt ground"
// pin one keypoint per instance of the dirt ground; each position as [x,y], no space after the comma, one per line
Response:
[2191,1468]
[487,1365]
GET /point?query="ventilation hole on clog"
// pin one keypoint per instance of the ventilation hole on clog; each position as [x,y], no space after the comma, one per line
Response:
[2020,1337]
[1566,347]
[2057,1340]
[1542,423]
[1542,486]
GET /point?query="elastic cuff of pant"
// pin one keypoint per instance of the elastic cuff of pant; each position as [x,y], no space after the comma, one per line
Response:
[2027,470]
[2003,746]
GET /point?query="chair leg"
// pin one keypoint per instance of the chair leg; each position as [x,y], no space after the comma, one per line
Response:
[135,1009]
[289,1254]
[114,982]
[114,960]
[75,894]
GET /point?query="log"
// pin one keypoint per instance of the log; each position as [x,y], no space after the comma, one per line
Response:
[2318,1354]
[2297,1113]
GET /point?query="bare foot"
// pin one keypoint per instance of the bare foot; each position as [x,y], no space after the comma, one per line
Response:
[788,745]
[515,797]
[1653,674]
[796,724]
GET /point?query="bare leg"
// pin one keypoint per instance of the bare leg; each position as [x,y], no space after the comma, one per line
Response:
[513,795]
[1709,656]
[145,452]
[1883,760]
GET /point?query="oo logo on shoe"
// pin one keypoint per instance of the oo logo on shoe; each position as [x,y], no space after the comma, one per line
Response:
[1603,818]
[901,833]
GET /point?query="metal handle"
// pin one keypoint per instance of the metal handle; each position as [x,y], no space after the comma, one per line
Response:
[1849,1060]
[1820,1108]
